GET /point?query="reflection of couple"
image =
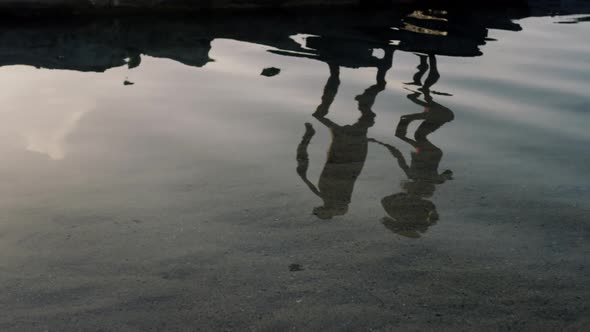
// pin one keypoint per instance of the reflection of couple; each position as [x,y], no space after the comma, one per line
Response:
[409,211]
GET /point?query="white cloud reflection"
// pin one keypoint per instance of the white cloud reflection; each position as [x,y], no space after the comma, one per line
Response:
[39,112]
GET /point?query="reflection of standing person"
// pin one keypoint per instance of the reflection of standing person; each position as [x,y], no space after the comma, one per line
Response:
[348,150]
[410,213]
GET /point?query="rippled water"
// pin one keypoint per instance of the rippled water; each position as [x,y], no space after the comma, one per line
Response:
[404,170]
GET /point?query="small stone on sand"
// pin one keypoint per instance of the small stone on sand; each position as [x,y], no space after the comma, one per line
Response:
[270,71]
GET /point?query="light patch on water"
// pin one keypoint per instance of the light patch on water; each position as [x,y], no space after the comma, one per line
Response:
[49,139]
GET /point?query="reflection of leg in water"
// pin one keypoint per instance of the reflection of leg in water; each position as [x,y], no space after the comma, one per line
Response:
[422,68]
[433,75]
[384,66]
[439,115]
[366,100]
[303,157]
[434,114]
[405,120]
[330,91]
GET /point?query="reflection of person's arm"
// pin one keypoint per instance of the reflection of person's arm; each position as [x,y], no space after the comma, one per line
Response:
[396,154]
[303,157]
[327,122]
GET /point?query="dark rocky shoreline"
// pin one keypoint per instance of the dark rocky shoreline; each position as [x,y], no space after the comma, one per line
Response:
[26,7]
[171,5]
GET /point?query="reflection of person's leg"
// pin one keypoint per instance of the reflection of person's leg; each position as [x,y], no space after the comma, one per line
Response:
[384,67]
[303,157]
[433,75]
[330,91]
[404,122]
[366,100]
[422,68]
[426,128]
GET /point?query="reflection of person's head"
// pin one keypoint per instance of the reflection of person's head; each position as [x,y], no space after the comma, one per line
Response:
[330,210]
[409,215]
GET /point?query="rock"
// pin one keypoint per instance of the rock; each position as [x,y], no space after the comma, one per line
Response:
[270,71]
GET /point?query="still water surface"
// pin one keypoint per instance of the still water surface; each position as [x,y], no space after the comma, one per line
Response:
[426,173]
